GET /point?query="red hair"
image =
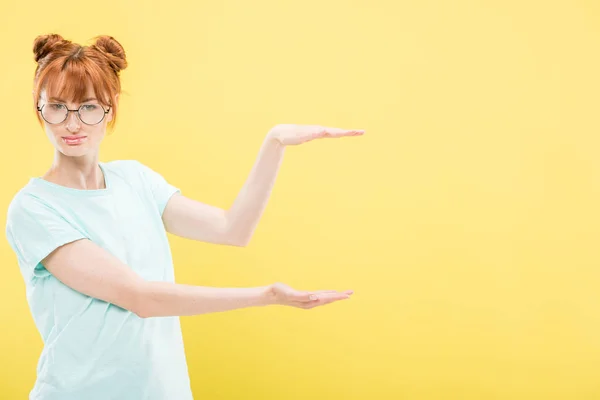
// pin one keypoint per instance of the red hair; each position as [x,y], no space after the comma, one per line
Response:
[65,70]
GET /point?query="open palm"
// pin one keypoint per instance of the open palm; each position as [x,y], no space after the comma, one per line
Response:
[282,294]
[290,135]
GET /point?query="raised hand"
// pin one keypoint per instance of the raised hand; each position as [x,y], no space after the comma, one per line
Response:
[282,294]
[290,135]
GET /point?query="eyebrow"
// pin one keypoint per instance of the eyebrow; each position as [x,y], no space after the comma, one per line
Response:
[63,101]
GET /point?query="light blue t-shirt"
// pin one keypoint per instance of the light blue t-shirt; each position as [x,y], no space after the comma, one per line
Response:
[94,350]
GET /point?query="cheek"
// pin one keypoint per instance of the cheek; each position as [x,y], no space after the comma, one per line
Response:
[96,132]
[52,132]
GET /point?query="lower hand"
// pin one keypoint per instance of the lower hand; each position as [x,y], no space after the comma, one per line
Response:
[282,294]
[289,134]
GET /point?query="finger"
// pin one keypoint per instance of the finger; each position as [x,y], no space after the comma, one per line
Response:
[329,301]
[335,132]
[303,297]
[329,297]
[347,292]
[312,304]
[318,294]
[309,296]
[323,300]
[335,296]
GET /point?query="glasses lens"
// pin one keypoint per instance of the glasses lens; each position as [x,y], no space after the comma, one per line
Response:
[91,114]
[54,113]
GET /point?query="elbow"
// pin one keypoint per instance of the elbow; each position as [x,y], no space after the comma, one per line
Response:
[243,242]
[235,240]
[235,234]
[239,242]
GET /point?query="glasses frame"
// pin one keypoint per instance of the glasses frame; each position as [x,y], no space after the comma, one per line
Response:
[68,111]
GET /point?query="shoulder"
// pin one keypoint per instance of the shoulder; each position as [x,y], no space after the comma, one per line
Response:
[135,170]
[128,172]
[26,200]
[34,228]
[136,173]
[117,166]
[30,217]
[26,204]
[127,167]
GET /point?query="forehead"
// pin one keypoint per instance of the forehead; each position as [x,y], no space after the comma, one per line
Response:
[73,82]
[68,86]
[59,96]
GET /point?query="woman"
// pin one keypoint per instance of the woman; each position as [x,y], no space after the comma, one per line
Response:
[91,240]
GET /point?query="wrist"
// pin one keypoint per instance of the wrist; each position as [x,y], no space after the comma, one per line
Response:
[274,137]
[267,295]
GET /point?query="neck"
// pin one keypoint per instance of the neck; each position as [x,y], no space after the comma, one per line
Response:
[76,172]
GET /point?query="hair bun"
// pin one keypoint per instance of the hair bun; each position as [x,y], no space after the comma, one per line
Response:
[112,49]
[45,44]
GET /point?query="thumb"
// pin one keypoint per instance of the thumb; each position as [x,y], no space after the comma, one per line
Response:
[303,296]
[316,295]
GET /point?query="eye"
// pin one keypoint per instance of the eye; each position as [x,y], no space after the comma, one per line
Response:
[55,106]
[89,107]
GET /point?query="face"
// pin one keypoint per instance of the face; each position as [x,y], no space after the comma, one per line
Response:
[72,137]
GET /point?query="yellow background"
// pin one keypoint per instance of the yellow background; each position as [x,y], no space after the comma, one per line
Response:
[467,219]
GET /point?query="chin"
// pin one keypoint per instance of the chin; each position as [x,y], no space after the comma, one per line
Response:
[74,151]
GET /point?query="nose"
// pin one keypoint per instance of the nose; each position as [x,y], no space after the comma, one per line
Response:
[72,122]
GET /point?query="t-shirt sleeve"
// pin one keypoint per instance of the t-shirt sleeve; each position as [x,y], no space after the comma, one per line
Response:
[34,230]
[159,187]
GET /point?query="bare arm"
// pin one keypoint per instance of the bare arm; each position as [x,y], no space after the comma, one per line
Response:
[191,219]
[194,220]
[93,271]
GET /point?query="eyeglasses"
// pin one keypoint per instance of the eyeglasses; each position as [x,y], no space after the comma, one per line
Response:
[89,114]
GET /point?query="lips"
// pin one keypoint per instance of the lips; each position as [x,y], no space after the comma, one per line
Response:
[74,140]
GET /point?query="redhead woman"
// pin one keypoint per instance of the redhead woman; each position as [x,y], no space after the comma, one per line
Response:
[90,239]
